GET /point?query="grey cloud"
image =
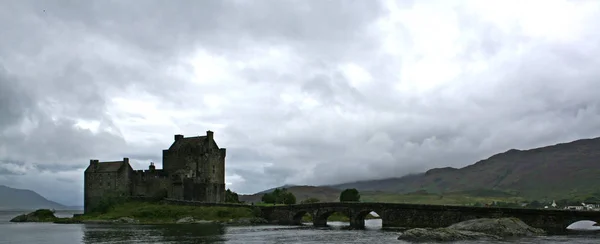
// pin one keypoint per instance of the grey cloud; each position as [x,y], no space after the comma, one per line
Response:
[332,89]
[78,55]
[7,171]
[12,167]
[15,102]
[66,180]
[60,141]
[4,171]
[58,167]
[215,24]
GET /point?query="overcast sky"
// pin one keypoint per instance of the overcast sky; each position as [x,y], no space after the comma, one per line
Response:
[299,92]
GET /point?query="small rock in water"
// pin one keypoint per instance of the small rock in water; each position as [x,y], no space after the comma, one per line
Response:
[475,229]
[40,215]
[504,227]
[442,235]
[185,220]
[191,220]
[125,220]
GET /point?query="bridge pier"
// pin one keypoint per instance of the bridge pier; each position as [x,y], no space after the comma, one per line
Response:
[357,223]
[415,215]
[319,222]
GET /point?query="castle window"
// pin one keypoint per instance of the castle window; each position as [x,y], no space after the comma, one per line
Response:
[214,171]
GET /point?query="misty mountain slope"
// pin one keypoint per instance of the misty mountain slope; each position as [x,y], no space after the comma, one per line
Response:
[558,171]
[11,198]
[325,194]
[386,185]
[273,189]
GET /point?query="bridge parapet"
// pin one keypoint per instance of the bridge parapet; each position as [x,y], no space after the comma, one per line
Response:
[421,215]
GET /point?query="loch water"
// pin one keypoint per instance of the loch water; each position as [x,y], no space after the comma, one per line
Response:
[48,233]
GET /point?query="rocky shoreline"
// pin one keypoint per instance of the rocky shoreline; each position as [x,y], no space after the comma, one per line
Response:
[47,216]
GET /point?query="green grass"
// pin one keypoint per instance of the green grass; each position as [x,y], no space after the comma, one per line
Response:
[44,215]
[268,204]
[162,213]
[435,199]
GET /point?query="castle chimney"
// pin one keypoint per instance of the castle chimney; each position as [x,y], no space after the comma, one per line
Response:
[178,137]
[209,134]
[126,160]
[152,167]
[94,163]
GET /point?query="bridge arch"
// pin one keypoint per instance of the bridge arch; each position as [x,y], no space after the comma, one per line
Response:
[360,216]
[584,225]
[322,215]
[298,217]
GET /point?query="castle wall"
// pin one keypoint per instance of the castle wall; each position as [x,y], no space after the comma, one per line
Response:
[123,185]
[176,191]
[99,185]
[212,175]
[150,183]
[184,162]
[202,192]
[201,171]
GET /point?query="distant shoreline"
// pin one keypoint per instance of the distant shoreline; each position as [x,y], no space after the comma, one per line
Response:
[33,209]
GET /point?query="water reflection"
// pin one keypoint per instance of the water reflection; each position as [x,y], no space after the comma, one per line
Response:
[205,233]
[192,233]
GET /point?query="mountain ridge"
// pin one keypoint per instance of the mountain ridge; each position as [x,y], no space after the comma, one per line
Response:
[561,170]
[25,199]
[567,168]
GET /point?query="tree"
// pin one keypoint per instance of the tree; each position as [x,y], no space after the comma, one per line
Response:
[350,195]
[281,196]
[268,198]
[288,198]
[231,197]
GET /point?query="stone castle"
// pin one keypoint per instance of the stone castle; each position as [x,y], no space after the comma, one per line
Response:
[193,169]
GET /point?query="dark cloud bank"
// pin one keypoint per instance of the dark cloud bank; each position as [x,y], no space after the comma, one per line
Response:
[279,95]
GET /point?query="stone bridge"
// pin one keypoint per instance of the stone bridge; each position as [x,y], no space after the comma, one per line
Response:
[417,215]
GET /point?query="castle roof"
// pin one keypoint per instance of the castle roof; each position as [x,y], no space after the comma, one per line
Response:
[106,167]
[110,166]
[200,141]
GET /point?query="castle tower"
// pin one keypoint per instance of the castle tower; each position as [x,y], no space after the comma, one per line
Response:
[196,166]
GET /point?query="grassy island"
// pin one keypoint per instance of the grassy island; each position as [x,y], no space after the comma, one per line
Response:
[163,213]
[159,213]
[153,213]
[40,215]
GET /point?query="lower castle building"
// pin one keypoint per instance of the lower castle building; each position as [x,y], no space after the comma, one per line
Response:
[193,169]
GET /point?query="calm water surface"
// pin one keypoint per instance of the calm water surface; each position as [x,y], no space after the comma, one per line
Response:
[34,233]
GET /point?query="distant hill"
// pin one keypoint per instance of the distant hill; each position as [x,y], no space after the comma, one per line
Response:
[560,171]
[325,194]
[273,189]
[20,199]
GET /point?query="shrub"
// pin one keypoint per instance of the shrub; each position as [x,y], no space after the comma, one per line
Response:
[350,195]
